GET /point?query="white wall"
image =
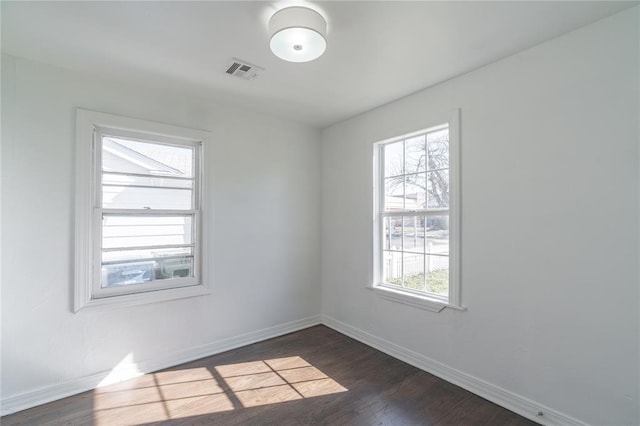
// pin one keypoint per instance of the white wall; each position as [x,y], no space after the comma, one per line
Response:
[264,197]
[550,218]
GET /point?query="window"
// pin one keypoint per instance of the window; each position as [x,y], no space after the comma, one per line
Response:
[139,211]
[416,232]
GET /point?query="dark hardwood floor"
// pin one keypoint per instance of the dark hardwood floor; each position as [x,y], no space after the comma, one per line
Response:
[314,376]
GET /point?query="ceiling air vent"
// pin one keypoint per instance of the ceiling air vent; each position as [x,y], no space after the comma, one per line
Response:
[243,69]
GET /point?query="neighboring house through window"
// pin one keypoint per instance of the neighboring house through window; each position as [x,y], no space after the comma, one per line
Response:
[417,210]
[139,211]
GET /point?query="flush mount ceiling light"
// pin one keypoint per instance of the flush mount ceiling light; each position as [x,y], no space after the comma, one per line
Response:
[298,34]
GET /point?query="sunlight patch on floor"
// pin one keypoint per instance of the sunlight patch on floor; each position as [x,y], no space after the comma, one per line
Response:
[125,369]
[200,391]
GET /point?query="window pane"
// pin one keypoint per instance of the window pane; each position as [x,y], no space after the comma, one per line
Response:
[140,231]
[392,262]
[415,155]
[415,191]
[438,274]
[160,181]
[395,232]
[393,161]
[137,272]
[128,197]
[130,156]
[413,268]
[394,193]
[438,150]
[438,189]
[413,234]
[437,235]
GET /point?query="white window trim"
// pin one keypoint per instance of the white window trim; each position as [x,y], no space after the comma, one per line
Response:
[425,301]
[86,190]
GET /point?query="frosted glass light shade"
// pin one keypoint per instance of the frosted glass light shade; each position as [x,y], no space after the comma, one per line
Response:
[298,34]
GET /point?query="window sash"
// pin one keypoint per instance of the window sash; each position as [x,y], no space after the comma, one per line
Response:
[380,250]
[101,132]
[100,292]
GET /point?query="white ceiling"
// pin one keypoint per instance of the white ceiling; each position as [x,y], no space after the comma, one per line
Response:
[377,51]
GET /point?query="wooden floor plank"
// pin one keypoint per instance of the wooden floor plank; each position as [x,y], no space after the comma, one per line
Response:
[315,376]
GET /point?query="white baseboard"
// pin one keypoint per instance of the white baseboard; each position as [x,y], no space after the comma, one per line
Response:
[516,403]
[57,391]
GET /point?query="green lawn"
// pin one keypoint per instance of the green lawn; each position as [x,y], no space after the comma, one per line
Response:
[437,282]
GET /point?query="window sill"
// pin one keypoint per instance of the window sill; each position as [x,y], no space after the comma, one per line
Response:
[415,300]
[114,302]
